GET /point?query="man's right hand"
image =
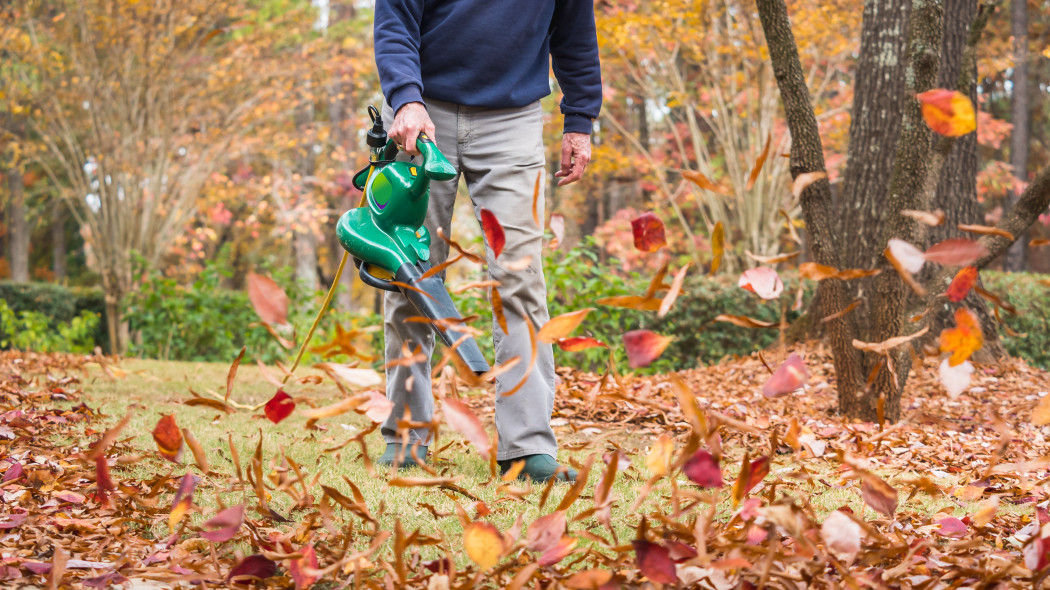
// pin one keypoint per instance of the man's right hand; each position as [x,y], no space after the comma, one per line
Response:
[410,120]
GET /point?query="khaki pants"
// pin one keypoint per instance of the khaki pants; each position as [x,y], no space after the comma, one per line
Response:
[499,152]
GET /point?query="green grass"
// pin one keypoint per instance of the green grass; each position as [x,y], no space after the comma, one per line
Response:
[154,388]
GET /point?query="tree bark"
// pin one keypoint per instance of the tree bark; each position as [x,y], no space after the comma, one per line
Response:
[59,216]
[17,227]
[807,156]
[875,127]
[1015,256]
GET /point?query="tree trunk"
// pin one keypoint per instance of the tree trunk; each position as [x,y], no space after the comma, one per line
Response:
[956,192]
[17,227]
[1015,256]
[59,216]
[875,127]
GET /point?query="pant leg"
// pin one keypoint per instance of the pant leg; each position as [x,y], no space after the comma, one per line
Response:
[409,387]
[501,158]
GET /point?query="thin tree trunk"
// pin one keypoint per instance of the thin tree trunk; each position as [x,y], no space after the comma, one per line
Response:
[59,216]
[18,227]
[1015,256]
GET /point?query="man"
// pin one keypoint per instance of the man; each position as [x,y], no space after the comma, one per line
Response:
[470,74]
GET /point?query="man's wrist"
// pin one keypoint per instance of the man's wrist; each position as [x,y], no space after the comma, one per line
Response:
[577,124]
[405,95]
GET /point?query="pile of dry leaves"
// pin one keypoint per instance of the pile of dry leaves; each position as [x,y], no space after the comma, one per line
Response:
[72,515]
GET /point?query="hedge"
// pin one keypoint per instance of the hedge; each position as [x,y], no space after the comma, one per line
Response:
[57,302]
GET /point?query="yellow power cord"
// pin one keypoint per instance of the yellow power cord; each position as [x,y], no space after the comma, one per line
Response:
[317,320]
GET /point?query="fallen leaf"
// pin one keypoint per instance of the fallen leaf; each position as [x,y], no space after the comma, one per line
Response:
[956,252]
[960,287]
[648,232]
[224,525]
[183,500]
[497,310]
[956,379]
[279,407]
[702,181]
[930,218]
[168,438]
[654,562]
[909,257]
[643,347]
[759,163]
[253,567]
[948,112]
[483,543]
[351,375]
[560,551]
[820,272]
[986,230]
[632,302]
[789,376]
[703,470]
[268,299]
[545,532]
[579,343]
[672,293]
[562,325]
[775,259]
[762,281]
[658,461]
[745,322]
[718,246]
[886,346]
[461,419]
[377,407]
[303,569]
[802,182]
[557,224]
[878,494]
[232,374]
[494,235]
[1041,413]
[964,339]
[952,527]
[841,535]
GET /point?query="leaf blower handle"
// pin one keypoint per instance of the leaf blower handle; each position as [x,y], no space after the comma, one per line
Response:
[435,165]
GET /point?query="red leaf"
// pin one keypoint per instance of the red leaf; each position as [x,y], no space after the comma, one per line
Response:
[964,280]
[644,347]
[561,549]
[253,567]
[762,281]
[298,568]
[703,469]
[268,299]
[655,562]
[948,112]
[952,527]
[103,482]
[956,252]
[881,496]
[461,419]
[545,531]
[788,377]
[168,438]
[493,232]
[279,407]
[578,343]
[648,233]
[224,525]
[182,501]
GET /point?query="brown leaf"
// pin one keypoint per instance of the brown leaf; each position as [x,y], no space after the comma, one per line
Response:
[672,293]
[536,198]
[886,346]
[200,457]
[654,562]
[986,230]
[956,252]
[268,299]
[931,219]
[802,182]
[632,302]
[232,374]
[497,310]
[777,259]
[878,494]
[224,525]
[745,322]
[704,182]
[545,532]
[820,272]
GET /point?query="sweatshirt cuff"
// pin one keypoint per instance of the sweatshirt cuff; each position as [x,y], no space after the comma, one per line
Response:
[404,95]
[577,124]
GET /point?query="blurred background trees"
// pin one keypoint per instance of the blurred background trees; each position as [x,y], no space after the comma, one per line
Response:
[163,148]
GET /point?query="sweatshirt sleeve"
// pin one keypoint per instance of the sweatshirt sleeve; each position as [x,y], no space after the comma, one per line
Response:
[396,33]
[574,56]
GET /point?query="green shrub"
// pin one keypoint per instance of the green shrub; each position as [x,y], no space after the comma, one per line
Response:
[1032,321]
[33,330]
[49,299]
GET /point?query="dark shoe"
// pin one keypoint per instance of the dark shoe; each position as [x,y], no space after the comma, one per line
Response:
[393,454]
[539,468]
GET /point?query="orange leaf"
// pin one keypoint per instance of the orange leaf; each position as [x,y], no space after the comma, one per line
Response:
[497,310]
[956,252]
[232,374]
[819,272]
[930,218]
[986,230]
[759,163]
[183,500]
[776,259]
[484,544]
[644,347]
[948,112]
[718,245]
[632,302]
[168,438]
[268,299]
[579,343]
[659,458]
[964,280]
[561,326]
[964,339]
[461,419]
[493,232]
[536,198]
[802,182]
[648,233]
[744,321]
[704,182]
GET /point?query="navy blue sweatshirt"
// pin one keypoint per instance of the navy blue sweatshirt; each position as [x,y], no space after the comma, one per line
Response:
[490,53]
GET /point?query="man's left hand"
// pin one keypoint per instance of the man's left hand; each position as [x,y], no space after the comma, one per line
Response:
[575,154]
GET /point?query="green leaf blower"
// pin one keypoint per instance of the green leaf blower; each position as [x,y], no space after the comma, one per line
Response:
[388,241]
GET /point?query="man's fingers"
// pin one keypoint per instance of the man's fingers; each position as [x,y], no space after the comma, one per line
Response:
[410,142]
[566,158]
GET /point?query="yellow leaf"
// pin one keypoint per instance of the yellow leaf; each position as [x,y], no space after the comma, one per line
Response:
[964,339]
[948,112]
[659,459]
[1041,414]
[483,543]
[563,325]
[718,245]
